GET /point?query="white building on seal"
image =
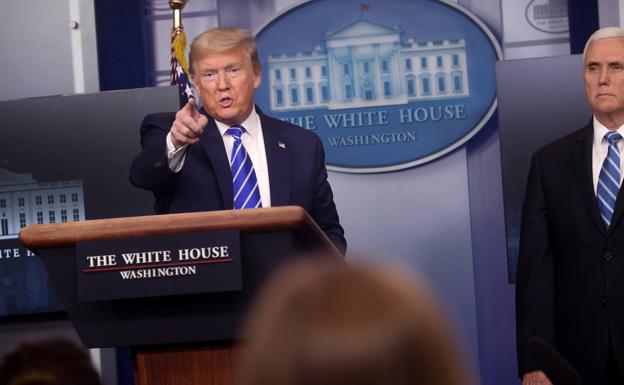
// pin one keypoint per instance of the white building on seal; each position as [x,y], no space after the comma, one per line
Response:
[365,65]
[24,201]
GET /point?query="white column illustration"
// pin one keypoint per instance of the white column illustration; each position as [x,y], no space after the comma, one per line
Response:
[355,73]
[381,93]
[397,69]
[332,75]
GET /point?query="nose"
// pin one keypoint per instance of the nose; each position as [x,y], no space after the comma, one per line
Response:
[604,78]
[222,82]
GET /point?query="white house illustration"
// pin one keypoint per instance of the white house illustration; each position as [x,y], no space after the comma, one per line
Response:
[367,64]
[551,9]
[24,201]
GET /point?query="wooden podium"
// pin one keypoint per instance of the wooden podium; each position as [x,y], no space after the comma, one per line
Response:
[177,339]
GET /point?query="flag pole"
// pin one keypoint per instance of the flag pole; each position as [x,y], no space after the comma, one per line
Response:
[176,6]
[179,68]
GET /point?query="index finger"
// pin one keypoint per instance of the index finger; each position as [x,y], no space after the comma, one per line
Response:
[190,105]
[193,105]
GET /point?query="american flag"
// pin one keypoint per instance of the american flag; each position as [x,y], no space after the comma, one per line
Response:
[179,69]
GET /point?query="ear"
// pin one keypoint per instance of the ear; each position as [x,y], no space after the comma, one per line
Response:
[257,79]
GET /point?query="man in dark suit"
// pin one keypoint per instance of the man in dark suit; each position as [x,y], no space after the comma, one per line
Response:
[570,281]
[228,154]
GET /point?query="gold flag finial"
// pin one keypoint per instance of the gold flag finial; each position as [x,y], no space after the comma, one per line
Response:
[176,6]
[178,40]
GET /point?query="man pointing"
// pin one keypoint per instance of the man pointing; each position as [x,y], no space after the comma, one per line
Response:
[228,154]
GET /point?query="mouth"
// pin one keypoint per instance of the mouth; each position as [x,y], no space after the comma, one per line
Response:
[226,102]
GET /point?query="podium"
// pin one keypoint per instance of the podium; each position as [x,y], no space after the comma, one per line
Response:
[177,339]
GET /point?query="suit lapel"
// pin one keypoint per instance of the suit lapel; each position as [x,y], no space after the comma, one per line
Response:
[212,143]
[278,161]
[584,175]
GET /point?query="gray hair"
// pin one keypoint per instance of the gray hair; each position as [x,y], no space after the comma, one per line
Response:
[603,33]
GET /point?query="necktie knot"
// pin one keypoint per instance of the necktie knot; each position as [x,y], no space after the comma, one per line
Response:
[236,131]
[613,137]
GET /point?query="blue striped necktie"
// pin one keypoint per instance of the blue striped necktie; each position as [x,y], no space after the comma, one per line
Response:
[244,182]
[609,179]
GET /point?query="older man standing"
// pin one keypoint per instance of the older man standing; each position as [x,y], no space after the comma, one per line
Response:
[570,282]
[229,154]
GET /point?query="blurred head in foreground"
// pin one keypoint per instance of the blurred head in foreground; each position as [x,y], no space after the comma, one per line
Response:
[335,324]
[49,362]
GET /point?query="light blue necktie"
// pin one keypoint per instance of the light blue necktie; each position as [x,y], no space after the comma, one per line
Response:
[609,179]
[244,182]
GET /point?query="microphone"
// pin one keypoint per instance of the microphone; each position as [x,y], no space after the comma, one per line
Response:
[558,370]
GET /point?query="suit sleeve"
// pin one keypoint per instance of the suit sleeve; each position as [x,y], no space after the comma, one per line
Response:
[324,209]
[150,170]
[535,282]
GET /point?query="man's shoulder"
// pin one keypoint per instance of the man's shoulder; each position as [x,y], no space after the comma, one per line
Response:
[159,119]
[288,130]
[567,142]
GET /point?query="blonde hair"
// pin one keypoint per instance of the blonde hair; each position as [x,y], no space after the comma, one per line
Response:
[331,324]
[224,39]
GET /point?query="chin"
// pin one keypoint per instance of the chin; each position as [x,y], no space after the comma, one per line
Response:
[228,118]
[606,107]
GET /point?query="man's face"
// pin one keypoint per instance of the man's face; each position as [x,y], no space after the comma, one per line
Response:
[604,78]
[225,83]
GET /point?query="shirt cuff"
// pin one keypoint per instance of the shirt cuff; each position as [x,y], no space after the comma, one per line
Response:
[175,158]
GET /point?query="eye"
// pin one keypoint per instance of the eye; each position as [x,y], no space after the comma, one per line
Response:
[617,67]
[233,72]
[208,76]
[593,67]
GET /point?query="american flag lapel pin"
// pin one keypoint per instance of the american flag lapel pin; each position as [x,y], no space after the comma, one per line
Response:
[281,145]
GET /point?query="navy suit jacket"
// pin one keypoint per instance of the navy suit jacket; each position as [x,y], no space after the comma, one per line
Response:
[570,278]
[295,160]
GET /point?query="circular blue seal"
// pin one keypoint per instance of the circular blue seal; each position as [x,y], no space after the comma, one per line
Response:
[385,85]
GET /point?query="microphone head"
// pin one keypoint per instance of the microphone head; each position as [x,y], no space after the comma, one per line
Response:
[558,370]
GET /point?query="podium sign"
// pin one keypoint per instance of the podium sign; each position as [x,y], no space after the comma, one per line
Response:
[154,266]
[143,312]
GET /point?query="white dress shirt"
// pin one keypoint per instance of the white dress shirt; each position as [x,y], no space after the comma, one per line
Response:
[253,141]
[600,149]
